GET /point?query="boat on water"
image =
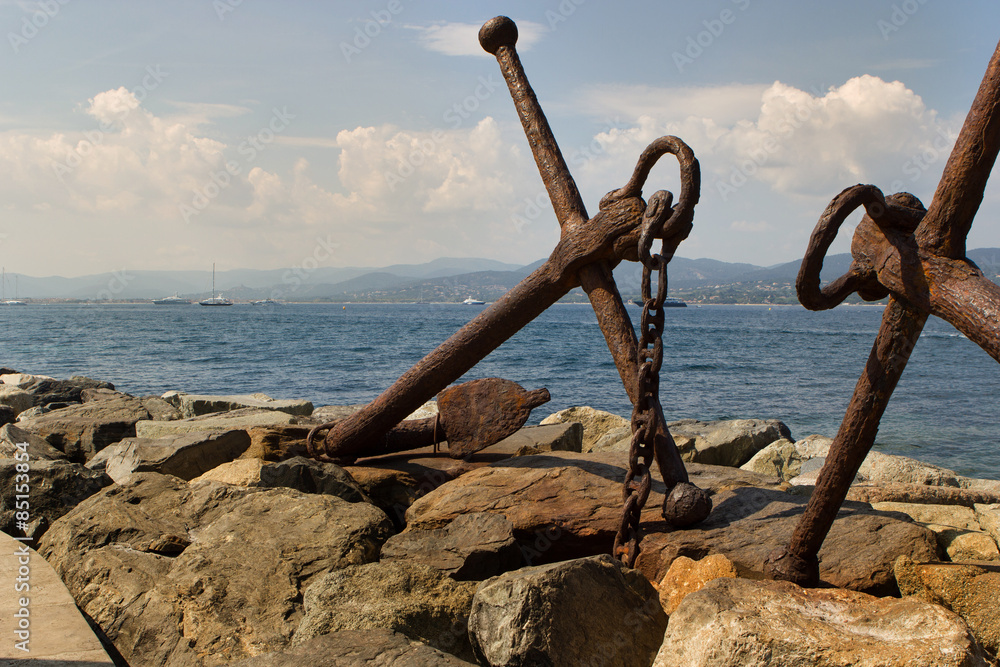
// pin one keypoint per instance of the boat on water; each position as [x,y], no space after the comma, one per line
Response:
[266,302]
[473,302]
[174,300]
[668,302]
[215,300]
[4,301]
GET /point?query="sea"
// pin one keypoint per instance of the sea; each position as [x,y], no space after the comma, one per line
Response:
[720,362]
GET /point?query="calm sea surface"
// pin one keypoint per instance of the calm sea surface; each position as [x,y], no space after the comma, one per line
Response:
[720,362]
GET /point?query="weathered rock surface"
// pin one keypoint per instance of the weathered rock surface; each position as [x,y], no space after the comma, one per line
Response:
[16,398]
[882,468]
[91,394]
[813,446]
[777,624]
[956,527]
[80,431]
[596,423]
[53,489]
[185,456]
[686,576]
[726,442]
[21,380]
[474,546]
[565,437]
[329,413]
[920,494]
[569,613]
[781,459]
[617,439]
[276,443]
[8,415]
[746,524]
[302,474]
[207,573]
[243,419]
[38,447]
[418,601]
[561,504]
[357,648]
[194,405]
[159,409]
[46,390]
[969,591]
[988,516]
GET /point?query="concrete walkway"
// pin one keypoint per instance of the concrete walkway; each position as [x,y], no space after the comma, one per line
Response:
[59,635]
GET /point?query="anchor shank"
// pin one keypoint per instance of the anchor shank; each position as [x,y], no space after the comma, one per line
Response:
[960,191]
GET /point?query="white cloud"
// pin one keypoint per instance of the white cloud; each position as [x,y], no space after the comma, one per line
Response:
[462,39]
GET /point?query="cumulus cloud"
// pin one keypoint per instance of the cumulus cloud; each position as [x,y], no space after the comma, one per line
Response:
[462,39]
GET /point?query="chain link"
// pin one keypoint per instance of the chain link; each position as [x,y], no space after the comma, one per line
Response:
[647,414]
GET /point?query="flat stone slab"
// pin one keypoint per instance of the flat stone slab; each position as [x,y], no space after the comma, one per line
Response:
[186,456]
[357,648]
[243,419]
[58,631]
[194,405]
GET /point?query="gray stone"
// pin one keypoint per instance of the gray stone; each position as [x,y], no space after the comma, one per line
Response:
[988,516]
[410,598]
[957,528]
[813,446]
[194,405]
[779,459]
[91,394]
[777,624]
[204,574]
[302,474]
[16,398]
[46,390]
[53,489]
[616,439]
[474,546]
[159,409]
[38,447]
[589,611]
[357,648]
[8,415]
[329,413]
[243,419]
[186,456]
[80,431]
[596,423]
[887,468]
[725,442]
[565,437]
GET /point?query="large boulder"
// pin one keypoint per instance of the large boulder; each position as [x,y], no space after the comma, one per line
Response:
[242,419]
[687,576]
[185,456]
[887,468]
[579,612]
[725,442]
[45,390]
[416,600]
[53,488]
[777,624]
[80,431]
[302,474]
[988,516]
[779,459]
[207,573]
[474,546]
[534,439]
[747,523]
[969,591]
[16,398]
[14,439]
[596,423]
[357,648]
[279,442]
[194,405]
[956,527]
[159,409]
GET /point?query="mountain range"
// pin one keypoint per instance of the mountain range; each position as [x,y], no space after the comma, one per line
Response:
[447,279]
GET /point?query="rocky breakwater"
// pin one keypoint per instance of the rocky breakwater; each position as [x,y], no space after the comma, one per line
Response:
[206,538]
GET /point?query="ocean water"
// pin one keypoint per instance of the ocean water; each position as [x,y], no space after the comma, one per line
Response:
[720,362]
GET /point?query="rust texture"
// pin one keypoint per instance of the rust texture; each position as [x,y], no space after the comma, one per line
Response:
[588,250]
[917,258]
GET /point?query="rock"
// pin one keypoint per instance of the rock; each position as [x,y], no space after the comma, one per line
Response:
[185,456]
[882,468]
[276,443]
[813,446]
[748,523]
[357,648]
[46,390]
[969,591]
[920,494]
[194,405]
[988,516]
[779,459]
[8,415]
[757,623]
[159,409]
[302,474]
[569,613]
[91,394]
[474,546]
[38,447]
[22,380]
[428,409]
[204,573]
[726,442]
[329,413]
[686,576]
[616,439]
[410,598]
[957,528]
[987,485]
[80,431]
[17,399]
[242,420]
[566,437]
[595,423]
[53,489]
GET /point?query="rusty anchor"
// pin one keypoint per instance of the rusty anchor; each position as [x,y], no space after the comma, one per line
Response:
[471,416]
[917,258]
[588,249]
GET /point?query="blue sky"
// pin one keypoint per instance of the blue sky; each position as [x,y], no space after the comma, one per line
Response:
[154,135]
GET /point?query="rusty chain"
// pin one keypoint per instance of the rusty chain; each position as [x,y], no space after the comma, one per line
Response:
[647,414]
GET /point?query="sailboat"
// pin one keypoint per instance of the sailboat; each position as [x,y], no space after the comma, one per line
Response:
[4,301]
[215,300]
